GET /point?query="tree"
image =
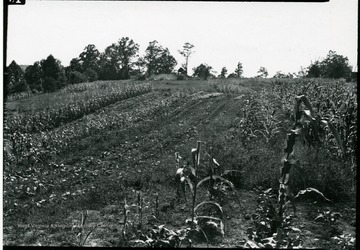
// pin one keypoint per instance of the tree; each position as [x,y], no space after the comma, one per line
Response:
[152,54]
[158,60]
[263,72]
[314,70]
[232,75]
[239,69]
[109,67]
[14,79]
[223,72]
[34,76]
[74,72]
[141,65]
[301,73]
[333,66]
[186,52]
[166,62]
[279,74]
[53,73]
[127,50]
[75,65]
[117,60]
[202,71]
[89,58]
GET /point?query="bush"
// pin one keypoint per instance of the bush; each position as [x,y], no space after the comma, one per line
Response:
[91,75]
[77,77]
[181,77]
[20,86]
[141,77]
[50,84]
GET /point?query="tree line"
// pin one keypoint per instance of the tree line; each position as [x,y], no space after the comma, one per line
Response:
[121,60]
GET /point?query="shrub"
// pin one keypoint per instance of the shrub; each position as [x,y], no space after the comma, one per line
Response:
[141,77]
[181,77]
[77,77]
[91,75]
[50,84]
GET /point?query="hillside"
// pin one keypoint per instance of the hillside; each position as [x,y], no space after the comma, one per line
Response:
[102,143]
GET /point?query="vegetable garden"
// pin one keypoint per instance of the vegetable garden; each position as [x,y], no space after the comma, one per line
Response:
[258,163]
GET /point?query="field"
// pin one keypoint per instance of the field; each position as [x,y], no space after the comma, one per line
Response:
[93,164]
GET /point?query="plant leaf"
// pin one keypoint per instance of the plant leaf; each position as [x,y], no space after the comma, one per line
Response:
[308,190]
[308,114]
[207,217]
[215,162]
[215,177]
[335,133]
[305,100]
[192,170]
[209,202]
[187,179]
[229,171]
[251,244]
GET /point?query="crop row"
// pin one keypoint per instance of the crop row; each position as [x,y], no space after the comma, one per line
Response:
[334,100]
[34,147]
[47,119]
[29,158]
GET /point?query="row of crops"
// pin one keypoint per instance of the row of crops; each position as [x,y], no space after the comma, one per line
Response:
[335,101]
[35,135]
[33,179]
[317,115]
[28,157]
[30,148]
[73,103]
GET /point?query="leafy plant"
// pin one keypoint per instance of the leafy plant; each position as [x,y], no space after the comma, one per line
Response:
[82,235]
[271,220]
[204,223]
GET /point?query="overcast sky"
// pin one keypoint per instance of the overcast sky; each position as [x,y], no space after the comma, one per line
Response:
[279,36]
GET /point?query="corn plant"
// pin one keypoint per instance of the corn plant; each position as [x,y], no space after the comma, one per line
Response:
[305,128]
[269,124]
[50,116]
[180,177]
[157,205]
[125,223]
[82,235]
[202,223]
[272,219]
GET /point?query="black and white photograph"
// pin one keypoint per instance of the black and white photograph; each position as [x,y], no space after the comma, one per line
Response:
[179,124]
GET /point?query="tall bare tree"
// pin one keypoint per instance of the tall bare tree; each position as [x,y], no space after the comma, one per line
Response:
[186,52]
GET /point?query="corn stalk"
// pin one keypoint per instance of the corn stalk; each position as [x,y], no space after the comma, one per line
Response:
[289,161]
[195,153]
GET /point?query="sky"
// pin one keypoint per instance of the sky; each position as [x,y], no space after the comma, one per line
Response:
[276,35]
